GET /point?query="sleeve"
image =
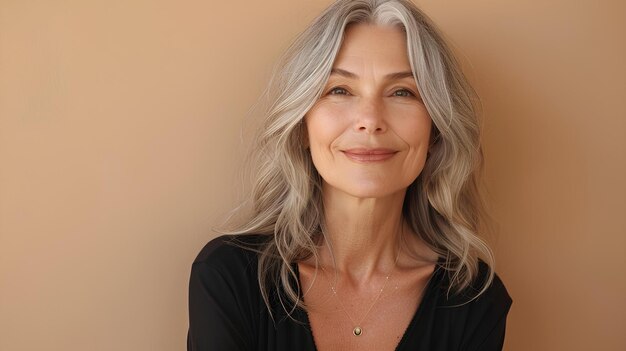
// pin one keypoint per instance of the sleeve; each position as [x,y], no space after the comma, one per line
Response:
[487,324]
[494,341]
[220,309]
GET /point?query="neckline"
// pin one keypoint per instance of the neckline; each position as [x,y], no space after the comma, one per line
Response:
[426,293]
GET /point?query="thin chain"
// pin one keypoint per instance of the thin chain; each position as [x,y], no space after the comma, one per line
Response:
[343,307]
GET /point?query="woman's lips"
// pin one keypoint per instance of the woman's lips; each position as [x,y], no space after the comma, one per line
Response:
[369,155]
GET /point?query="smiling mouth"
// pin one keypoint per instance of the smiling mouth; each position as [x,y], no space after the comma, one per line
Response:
[369,155]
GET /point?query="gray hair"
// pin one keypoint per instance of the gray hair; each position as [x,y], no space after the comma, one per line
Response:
[443,205]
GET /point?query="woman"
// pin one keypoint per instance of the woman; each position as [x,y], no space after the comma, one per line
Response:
[365,210]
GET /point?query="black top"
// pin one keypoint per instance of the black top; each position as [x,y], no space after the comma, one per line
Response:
[227,312]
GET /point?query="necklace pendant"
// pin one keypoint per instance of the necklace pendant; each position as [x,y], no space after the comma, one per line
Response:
[357,331]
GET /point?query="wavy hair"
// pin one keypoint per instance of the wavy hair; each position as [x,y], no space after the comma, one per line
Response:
[443,205]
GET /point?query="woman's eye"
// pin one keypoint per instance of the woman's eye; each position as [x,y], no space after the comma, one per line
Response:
[403,93]
[338,91]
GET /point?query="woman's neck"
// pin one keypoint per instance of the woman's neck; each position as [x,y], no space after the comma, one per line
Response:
[363,235]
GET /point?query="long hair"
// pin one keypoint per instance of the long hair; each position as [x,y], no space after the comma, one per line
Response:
[442,205]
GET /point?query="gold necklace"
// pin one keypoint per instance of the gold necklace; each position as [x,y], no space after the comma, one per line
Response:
[358,329]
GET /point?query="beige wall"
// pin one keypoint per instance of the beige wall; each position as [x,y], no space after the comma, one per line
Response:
[120,131]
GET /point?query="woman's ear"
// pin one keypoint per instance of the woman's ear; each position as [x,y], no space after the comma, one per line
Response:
[434,137]
[304,134]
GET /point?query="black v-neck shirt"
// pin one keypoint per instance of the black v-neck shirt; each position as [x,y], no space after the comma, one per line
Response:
[227,312]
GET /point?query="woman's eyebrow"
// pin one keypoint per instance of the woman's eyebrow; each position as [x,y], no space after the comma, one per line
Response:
[390,76]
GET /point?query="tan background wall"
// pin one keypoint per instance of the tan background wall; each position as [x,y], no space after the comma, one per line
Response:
[120,137]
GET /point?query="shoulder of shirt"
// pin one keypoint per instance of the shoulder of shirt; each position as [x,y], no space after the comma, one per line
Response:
[230,251]
[495,293]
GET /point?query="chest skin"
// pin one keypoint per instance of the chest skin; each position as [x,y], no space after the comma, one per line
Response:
[383,317]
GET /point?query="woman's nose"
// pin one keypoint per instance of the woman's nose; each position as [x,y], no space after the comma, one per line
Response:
[370,116]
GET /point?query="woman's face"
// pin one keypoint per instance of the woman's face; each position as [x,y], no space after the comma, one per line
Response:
[369,132]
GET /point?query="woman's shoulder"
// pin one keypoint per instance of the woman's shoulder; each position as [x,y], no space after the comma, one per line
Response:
[231,252]
[480,293]
[224,294]
[475,318]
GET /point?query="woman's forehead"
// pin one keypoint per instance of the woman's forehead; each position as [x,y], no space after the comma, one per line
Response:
[366,47]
